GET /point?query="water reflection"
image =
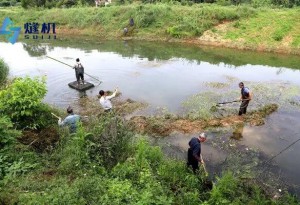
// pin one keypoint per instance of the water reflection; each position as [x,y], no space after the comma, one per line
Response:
[277,134]
[35,50]
[166,51]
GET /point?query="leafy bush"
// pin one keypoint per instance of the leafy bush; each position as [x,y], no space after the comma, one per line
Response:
[22,101]
[286,3]
[3,71]
[27,3]
[225,191]
[109,142]
[7,3]
[11,170]
[73,152]
[12,163]
[7,134]
[260,3]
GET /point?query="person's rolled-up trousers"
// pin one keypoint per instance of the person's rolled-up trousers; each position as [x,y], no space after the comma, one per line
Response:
[243,107]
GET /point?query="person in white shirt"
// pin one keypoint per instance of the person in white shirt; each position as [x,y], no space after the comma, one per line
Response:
[105,100]
[97,2]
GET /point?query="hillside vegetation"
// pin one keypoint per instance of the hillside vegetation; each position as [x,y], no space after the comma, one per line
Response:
[243,27]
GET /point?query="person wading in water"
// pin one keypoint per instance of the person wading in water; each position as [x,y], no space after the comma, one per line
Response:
[194,152]
[245,98]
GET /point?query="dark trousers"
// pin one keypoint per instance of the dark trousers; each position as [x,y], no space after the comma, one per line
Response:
[192,161]
[79,76]
[243,107]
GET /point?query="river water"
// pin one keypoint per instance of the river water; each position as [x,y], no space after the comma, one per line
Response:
[165,75]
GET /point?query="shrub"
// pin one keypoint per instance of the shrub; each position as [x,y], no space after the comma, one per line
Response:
[4,70]
[73,152]
[22,101]
[225,191]
[260,3]
[109,142]
[286,3]
[11,169]
[7,3]
[27,3]
[7,134]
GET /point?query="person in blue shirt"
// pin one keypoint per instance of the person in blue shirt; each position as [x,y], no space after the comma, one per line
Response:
[245,98]
[194,152]
[71,120]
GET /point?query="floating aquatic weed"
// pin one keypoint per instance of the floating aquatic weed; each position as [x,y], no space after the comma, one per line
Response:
[280,93]
[217,85]
[198,106]
[204,105]
[231,79]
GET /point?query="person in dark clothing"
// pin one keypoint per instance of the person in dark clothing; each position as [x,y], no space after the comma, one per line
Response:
[245,98]
[131,22]
[194,152]
[79,71]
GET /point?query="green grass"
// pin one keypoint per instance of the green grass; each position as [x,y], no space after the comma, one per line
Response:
[268,28]
[247,27]
[159,20]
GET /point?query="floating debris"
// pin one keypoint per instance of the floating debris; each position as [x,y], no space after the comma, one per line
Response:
[159,125]
[217,85]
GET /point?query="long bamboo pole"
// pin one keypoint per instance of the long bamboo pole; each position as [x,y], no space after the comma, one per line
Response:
[72,67]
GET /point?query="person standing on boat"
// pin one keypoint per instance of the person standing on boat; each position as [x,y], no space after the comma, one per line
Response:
[79,72]
[245,98]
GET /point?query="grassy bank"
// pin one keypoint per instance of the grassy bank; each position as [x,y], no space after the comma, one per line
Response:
[230,26]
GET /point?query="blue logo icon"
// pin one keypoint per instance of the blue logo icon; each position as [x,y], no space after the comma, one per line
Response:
[11,33]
